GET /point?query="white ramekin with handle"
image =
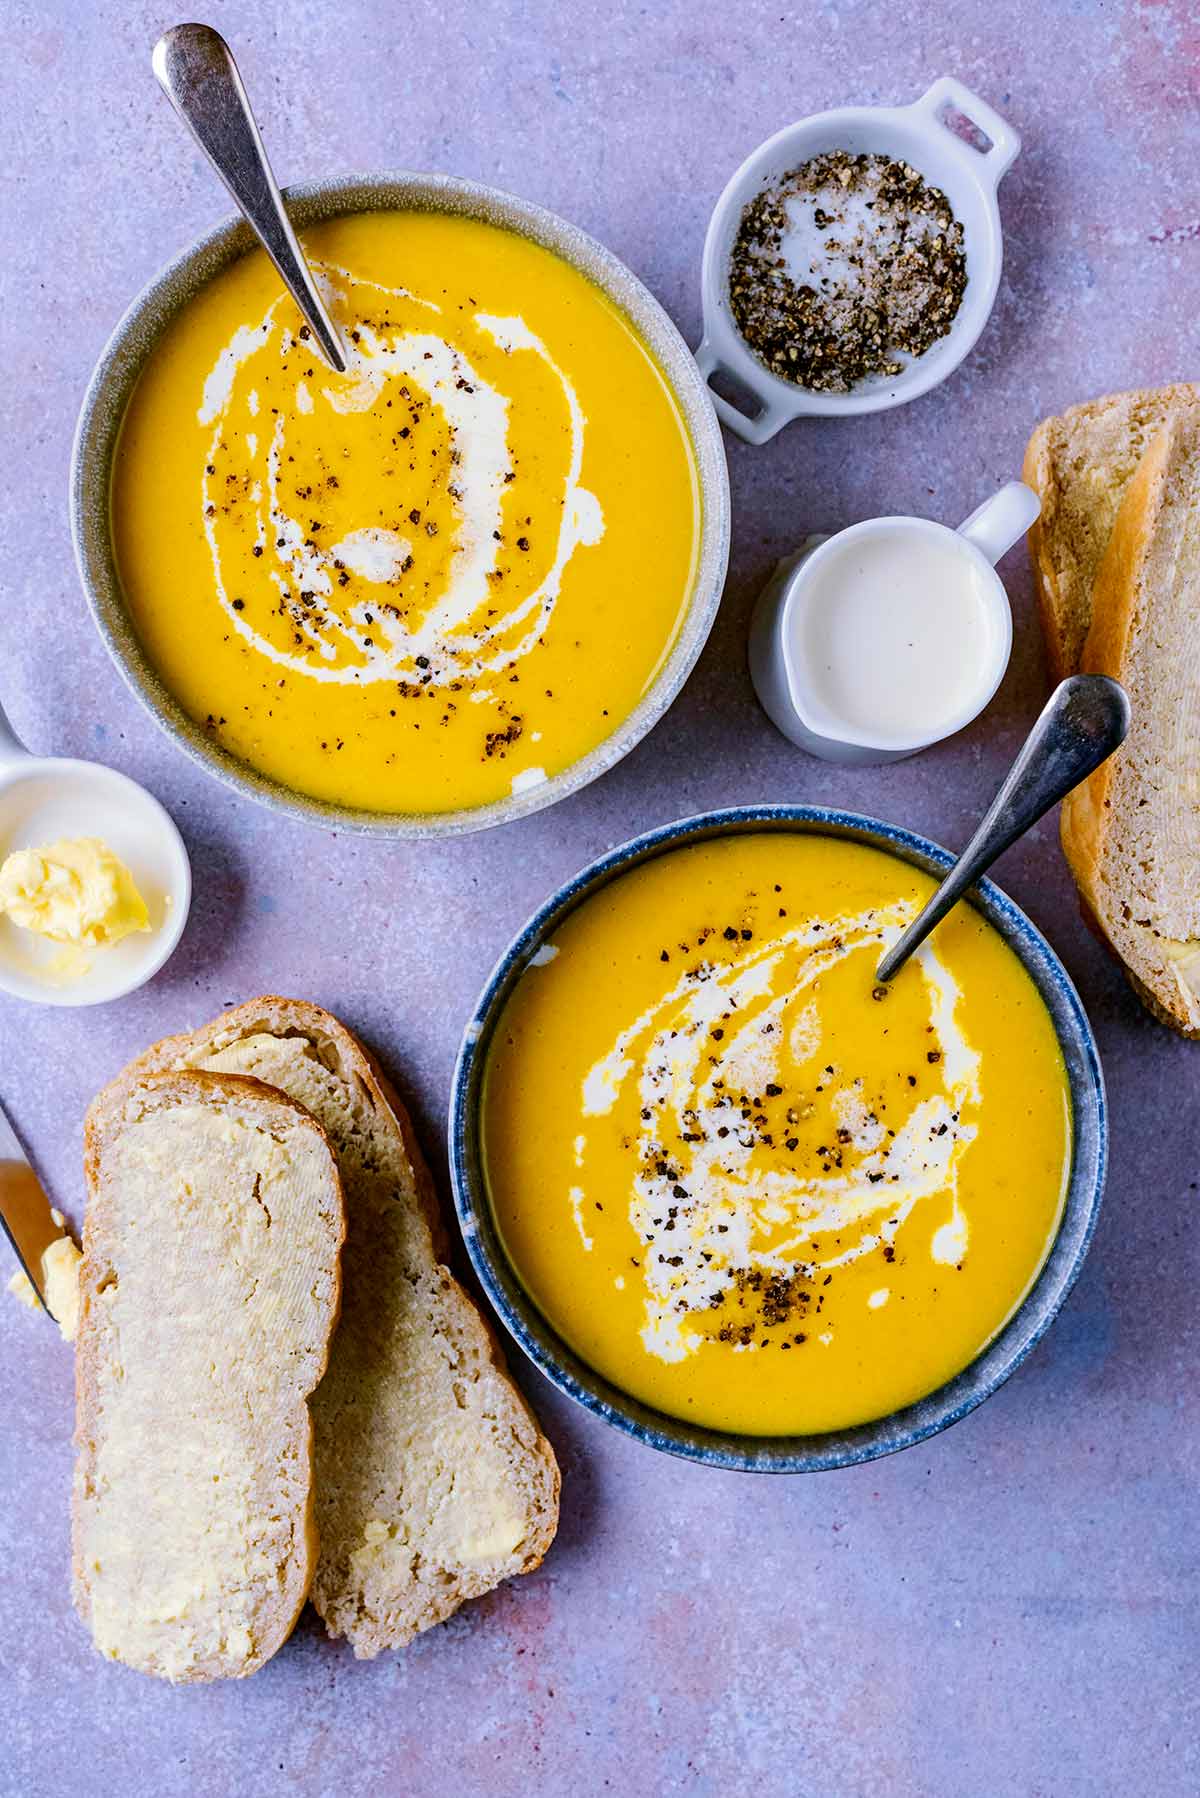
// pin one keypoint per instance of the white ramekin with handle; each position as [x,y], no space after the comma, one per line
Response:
[916,134]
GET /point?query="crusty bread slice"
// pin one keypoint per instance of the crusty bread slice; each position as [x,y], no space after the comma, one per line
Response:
[1132,832]
[434,1482]
[209,1293]
[1080,464]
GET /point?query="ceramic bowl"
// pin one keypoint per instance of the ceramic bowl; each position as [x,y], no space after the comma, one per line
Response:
[785,1454]
[134,341]
[915,134]
[43,798]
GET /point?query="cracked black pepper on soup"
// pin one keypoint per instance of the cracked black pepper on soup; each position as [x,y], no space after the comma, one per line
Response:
[845,267]
[744,1188]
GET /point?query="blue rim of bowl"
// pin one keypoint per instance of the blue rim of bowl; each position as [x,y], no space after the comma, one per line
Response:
[133,340]
[914,1423]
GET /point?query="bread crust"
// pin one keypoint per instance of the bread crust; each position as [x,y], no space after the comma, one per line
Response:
[1063,581]
[1084,821]
[1037,471]
[1089,815]
[302,1018]
[296,1017]
[105,1117]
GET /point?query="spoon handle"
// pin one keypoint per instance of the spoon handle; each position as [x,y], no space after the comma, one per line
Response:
[196,71]
[1084,720]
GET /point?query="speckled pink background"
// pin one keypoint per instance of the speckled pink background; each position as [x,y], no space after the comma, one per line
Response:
[1011,1609]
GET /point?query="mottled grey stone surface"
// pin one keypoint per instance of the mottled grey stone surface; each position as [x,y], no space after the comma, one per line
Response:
[1010,1609]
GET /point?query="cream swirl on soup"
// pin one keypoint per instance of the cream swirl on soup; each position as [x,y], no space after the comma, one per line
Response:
[749,1185]
[412,590]
[440,578]
[721,1064]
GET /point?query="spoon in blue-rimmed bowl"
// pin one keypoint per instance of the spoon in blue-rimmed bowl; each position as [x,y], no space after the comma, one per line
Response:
[1083,722]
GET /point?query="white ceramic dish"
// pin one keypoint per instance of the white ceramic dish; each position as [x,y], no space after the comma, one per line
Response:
[916,134]
[43,798]
[783,683]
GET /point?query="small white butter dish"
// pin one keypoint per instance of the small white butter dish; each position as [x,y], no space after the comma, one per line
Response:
[45,798]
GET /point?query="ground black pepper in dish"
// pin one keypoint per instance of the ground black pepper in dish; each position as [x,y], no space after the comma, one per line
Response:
[844,267]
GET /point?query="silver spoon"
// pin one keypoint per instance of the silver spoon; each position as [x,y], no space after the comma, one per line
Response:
[1084,720]
[196,71]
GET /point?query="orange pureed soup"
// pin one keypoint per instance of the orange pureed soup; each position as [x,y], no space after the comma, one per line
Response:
[431,582]
[746,1184]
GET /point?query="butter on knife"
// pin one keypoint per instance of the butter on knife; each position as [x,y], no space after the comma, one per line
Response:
[49,1271]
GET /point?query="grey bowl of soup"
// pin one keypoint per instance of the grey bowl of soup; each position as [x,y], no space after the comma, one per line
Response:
[443,590]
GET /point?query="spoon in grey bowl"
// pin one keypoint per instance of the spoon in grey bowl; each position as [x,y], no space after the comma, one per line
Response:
[1083,721]
[196,71]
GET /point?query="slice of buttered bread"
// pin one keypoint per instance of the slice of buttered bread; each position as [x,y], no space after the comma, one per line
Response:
[1132,832]
[1080,463]
[434,1482]
[209,1293]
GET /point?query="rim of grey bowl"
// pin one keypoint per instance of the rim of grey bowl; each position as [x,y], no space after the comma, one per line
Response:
[900,1429]
[312,202]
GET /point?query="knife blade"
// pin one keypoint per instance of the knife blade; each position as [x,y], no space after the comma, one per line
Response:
[25,1209]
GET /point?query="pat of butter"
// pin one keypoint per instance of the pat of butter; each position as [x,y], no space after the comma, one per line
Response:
[75,892]
[497,1538]
[21,1287]
[477,1530]
[60,1283]
[60,1272]
[1184,958]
